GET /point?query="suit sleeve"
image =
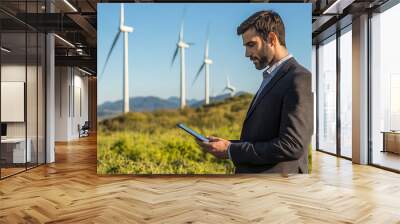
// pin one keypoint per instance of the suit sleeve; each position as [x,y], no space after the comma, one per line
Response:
[294,133]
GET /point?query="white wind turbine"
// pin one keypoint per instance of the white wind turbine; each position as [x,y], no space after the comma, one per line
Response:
[206,68]
[229,87]
[125,30]
[180,46]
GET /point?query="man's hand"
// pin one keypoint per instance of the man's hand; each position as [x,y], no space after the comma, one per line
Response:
[217,146]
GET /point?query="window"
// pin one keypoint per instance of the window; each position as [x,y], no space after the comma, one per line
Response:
[346,74]
[385,88]
[327,95]
[22,75]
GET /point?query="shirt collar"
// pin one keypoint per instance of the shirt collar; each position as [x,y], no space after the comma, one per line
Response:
[270,69]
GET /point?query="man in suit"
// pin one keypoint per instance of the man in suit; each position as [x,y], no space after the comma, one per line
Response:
[278,126]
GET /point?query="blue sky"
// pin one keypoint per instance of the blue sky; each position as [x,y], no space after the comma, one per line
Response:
[153,42]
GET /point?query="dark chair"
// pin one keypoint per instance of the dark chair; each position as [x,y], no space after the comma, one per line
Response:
[84,130]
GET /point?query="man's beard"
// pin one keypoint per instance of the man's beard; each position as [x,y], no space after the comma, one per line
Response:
[261,63]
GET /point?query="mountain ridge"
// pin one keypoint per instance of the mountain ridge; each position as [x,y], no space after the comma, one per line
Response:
[152,103]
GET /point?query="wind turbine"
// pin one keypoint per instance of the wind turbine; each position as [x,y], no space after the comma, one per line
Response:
[206,68]
[229,87]
[180,46]
[125,30]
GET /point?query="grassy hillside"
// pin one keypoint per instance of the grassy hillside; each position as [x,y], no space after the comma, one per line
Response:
[150,143]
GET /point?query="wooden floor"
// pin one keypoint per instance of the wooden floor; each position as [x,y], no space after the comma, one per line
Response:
[5,172]
[8,171]
[387,159]
[69,191]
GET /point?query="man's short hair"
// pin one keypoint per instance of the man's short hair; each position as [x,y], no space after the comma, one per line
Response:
[264,22]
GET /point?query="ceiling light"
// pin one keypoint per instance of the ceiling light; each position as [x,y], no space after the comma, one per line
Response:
[337,7]
[70,5]
[64,40]
[84,71]
[79,51]
[5,50]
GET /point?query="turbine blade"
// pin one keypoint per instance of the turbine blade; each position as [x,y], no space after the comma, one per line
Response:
[174,56]
[191,43]
[207,38]
[121,21]
[182,23]
[184,12]
[198,73]
[208,31]
[181,32]
[111,49]
[206,51]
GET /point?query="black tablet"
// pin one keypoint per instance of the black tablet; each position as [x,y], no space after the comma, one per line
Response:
[193,133]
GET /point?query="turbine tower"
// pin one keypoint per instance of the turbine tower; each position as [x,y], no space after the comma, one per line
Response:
[229,87]
[207,61]
[125,30]
[180,46]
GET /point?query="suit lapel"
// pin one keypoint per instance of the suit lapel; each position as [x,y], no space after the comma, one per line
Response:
[281,73]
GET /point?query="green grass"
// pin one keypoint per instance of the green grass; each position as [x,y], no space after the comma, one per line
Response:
[150,142]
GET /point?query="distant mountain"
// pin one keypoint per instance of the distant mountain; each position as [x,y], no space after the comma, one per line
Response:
[177,101]
[151,103]
[141,103]
[218,98]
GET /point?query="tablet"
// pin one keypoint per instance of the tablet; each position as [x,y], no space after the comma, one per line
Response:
[193,133]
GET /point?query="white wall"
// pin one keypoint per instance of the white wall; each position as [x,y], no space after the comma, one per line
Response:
[12,73]
[71,94]
[13,101]
[80,104]
[61,103]
[33,126]
[16,73]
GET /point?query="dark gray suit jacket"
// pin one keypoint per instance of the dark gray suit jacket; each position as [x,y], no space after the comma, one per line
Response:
[277,129]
